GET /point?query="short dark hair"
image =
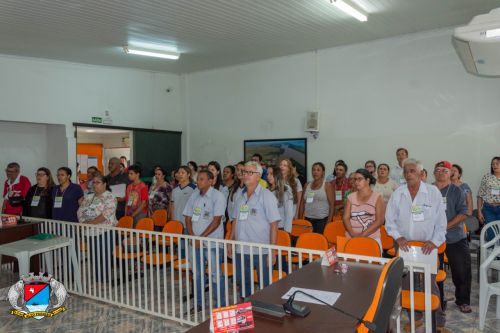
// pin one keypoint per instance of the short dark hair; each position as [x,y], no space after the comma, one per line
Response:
[371,162]
[404,149]
[14,165]
[493,159]
[259,156]
[208,173]
[125,157]
[92,168]
[459,168]
[66,169]
[135,168]
[320,164]
[384,164]
[193,164]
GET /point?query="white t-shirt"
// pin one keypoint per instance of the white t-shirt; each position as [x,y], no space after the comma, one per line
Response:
[385,189]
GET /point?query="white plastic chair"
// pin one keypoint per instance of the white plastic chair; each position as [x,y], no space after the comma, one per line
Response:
[487,247]
[486,289]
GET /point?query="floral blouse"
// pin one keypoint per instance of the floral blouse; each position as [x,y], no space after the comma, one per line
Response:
[489,190]
[93,206]
[159,197]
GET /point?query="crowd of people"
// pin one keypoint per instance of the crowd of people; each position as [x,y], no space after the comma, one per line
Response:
[261,199]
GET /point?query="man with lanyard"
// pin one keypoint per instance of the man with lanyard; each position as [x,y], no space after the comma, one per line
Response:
[203,213]
[415,212]
[397,170]
[117,182]
[457,247]
[256,221]
[15,189]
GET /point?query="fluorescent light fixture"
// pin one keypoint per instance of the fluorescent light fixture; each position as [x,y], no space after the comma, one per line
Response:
[348,9]
[492,33]
[149,53]
[89,130]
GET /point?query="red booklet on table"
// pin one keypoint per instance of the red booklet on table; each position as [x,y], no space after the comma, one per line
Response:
[232,318]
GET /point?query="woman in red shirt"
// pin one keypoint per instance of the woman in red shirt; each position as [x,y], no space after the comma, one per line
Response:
[136,198]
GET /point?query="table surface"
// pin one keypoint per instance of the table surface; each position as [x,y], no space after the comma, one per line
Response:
[357,288]
[34,245]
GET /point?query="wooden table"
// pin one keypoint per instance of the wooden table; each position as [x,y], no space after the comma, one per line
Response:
[17,232]
[357,288]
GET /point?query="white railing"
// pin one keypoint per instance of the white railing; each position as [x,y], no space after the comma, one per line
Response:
[150,272]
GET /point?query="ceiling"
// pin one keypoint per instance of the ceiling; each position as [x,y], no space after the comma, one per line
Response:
[210,33]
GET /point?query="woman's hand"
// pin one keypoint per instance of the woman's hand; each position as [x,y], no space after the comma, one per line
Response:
[480,216]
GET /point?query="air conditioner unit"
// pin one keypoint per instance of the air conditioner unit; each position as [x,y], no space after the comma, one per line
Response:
[478,44]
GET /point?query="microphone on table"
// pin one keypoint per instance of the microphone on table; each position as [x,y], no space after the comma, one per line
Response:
[302,310]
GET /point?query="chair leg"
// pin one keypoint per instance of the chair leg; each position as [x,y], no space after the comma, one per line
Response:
[484,300]
[498,306]
[434,322]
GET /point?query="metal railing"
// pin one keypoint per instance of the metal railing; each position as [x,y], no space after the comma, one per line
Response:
[156,273]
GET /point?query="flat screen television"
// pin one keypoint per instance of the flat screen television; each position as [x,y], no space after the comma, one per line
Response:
[274,150]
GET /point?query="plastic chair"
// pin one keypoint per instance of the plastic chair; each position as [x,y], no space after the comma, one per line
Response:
[146,224]
[387,241]
[159,217]
[171,227]
[486,247]
[332,230]
[364,246]
[487,289]
[300,227]
[125,222]
[312,241]
[341,241]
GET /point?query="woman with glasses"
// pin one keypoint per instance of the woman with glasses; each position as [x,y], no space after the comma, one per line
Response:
[364,209]
[38,202]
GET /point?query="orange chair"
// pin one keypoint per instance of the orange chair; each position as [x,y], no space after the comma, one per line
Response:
[171,227]
[337,218]
[125,222]
[312,241]
[386,295]
[332,230]
[300,227]
[364,246]
[387,241]
[229,226]
[159,217]
[340,245]
[146,224]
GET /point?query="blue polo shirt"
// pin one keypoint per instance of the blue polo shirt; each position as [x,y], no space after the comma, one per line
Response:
[69,207]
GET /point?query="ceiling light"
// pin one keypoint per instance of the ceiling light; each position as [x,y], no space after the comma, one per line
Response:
[89,130]
[492,33]
[154,53]
[348,9]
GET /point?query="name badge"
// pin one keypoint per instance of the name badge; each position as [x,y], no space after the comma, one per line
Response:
[196,214]
[35,201]
[310,197]
[445,201]
[495,191]
[130,201]
[243,216]
[338,195]
[58,202]
[417,213]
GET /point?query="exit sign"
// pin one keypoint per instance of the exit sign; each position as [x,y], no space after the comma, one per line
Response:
[97,120]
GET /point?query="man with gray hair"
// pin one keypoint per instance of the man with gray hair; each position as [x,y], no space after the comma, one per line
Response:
[415,212]
[256,221]
[117,181]
[15,190]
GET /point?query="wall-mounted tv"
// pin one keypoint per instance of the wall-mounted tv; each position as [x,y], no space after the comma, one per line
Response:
[274,150]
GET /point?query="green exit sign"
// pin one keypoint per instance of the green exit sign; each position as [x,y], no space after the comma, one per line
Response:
[97,120]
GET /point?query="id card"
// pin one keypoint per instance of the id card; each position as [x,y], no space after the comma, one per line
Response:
[130,201]
[310,197]
[58,202]
[35,201]
[445,201]
[196,214]
[243,216]
[417,213]
[495,191]
[338,195]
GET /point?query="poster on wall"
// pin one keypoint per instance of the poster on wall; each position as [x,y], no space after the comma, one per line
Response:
[274,150]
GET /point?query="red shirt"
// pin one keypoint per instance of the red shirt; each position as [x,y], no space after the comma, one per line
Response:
[339,185]
[136,194]
[19,188]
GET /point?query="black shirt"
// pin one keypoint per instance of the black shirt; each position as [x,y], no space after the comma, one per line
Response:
[44,207]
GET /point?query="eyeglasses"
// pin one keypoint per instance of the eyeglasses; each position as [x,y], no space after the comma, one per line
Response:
[40,174]
[358,179]
[246,172]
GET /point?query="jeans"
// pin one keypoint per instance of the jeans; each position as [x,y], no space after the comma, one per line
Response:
[491,213]
[246,289]
[318,224]
[98,252]
[460,263]
[217,279]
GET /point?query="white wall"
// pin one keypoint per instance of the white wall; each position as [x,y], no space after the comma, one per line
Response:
[409,91]
[54,92]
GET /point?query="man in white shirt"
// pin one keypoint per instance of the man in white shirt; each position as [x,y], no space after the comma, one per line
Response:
[397,170]
[415,212]
[203,213]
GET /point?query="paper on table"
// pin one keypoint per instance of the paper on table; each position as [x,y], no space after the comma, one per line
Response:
[326,296]
[118,190]
[415,254]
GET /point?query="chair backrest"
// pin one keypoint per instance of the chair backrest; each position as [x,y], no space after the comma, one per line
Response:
[300,227]
[145,224]
[441,248]
[173,227]
[387,241]
[312,241]
[159,217]
[490,227]
[125,222]
[340,245]
[364,246]
[284,238]
[332,230]
[385,297]
[229,226]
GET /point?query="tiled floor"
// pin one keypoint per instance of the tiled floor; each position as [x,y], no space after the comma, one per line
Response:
[86,315]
